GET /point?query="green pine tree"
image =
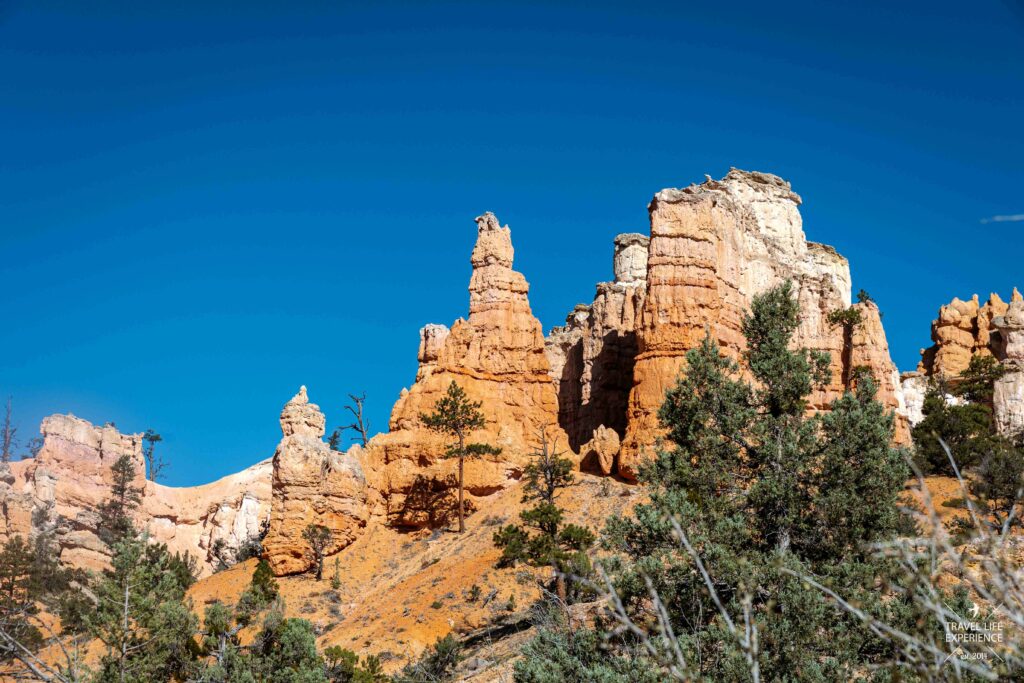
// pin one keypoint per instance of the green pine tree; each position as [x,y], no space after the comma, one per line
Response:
[317,538]
[260,593]
[966,427]
[285,651]
[117,510]
[542,540]
[456,416]
[141,615]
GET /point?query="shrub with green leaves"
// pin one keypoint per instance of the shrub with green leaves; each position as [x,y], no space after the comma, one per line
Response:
[436,665]
[260,593]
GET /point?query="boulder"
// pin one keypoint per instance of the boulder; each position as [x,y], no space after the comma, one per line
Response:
[601,452]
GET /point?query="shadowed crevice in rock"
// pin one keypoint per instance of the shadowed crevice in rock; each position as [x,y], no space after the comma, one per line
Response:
[593,354]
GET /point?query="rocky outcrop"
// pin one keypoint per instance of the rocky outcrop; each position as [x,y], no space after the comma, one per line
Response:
[600,453]
[965,329]
[1008,397]
[312,484]
[432,338]
[868,347]
[63,485]
[713,247]
[497,356]
[592,355]
[915,386]
[962,330]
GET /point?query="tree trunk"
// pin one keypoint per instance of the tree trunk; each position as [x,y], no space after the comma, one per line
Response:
[319,567]
[560,587]
[124,634]
[462,459]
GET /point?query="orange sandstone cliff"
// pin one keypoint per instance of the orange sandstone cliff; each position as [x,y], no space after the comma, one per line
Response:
[497,356]
[712,247]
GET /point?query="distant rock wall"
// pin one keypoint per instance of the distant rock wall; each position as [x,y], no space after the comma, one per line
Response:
[65,483]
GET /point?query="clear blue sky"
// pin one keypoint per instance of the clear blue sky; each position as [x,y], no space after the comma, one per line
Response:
[203,207]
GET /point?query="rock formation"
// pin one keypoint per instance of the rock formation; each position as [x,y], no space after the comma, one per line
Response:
[312,484]
[868,347]
[915,386]
[192,519]
[432,338]
[1008,398]
[965,329]
[600,453]
[497,356]
[713,247]
[592,355]
[962,330]
[594,385]
[62,486]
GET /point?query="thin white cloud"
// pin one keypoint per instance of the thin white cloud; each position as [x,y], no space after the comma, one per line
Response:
[1012,218]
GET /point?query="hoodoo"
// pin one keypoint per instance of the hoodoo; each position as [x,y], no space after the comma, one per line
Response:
[497,356]
[312,485]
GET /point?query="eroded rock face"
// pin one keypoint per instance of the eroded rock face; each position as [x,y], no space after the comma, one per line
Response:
[432,339]
[868,347]
[962,330]
[713,247]
[497,356]
[965,329]
[915,386]
[1008,398]
[312,484]
[62,487]
[592,355]
[193,519]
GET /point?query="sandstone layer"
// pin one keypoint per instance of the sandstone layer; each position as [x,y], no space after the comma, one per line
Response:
[312,484]
[63,485]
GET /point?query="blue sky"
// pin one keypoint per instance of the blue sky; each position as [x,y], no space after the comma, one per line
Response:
[203,207]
